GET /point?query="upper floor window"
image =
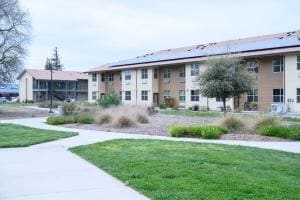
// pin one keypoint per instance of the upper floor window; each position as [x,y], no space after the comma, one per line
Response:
[278,95]
[103,77]
[195,69]
[252,66]
[144,73]
[167,73]
[155,74]
[298,95]
[252,96]
[127,75]
[278,64]
[94,77]
[110,77]
[181,72]
[298,62]
[195,95]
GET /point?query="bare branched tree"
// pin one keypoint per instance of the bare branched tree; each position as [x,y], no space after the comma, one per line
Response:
[15,28]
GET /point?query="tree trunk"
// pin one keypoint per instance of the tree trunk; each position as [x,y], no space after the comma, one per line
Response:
[224,106]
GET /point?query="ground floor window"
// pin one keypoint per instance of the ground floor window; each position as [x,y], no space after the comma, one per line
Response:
[120,95]
[195,95]
[278,95]
[218,99]
[181,96]
[167,94]
[144,95]
[127,95]
[252,96]
[94,95]
[298,95]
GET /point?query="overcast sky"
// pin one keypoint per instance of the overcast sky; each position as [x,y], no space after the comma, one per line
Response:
[89,33]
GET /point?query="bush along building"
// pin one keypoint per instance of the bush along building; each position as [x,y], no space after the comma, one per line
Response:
[35,85]
[274,61]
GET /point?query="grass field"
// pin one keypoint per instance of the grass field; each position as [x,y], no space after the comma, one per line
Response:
[12,135]
[182,170]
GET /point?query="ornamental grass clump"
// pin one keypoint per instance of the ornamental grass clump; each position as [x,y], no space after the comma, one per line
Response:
[233,123]
[124,122]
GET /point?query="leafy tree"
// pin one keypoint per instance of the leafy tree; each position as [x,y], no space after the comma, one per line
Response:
[225,78]
[15,28]
[110,99]
[55,61]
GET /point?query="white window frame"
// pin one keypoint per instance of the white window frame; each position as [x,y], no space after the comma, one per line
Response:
[298,62]
[144,74]
[182,72]
[144,95]
[252,66]
[298,95]
[181,96]
[276,65]
[94,95]
[166,94]
[167,73]
[195,69]
[94,77]
[102,77]
[110,77]
[218,99]
[127,75]
[280,95]
[127,95]
[195,97]
[253,94]
[155,73]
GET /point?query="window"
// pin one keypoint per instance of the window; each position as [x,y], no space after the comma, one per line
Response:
[144,73]
[252,66]
[298,62]
[94,95]
[144,95]
[94,77]
[181,96]
[103,77]
[110,77]
[218,99]
[127,95]
[277,64]
[167,73]
[194,95]
[181,72]
[278,95]
[120,95]
[298,95]
[120,76]
[195,69]
[127,75]
[155,75]
[252,96]
[167,94]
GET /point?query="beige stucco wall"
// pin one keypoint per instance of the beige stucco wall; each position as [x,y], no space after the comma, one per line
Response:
[26,90]
[292,82]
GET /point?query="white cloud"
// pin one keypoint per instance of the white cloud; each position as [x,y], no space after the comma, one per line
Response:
[92,32]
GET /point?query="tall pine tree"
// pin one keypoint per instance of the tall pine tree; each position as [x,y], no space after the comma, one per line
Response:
[48,64]
[54,62]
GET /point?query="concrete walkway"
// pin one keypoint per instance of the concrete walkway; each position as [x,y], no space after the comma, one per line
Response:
[48,171]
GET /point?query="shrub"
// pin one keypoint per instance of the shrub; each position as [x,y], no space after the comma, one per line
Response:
[60,120]
[208,131]
[233,123]
[69,109]
[292,132]
[195,108]
[104,119]
[124,122]
[151,110]
[141,118]
[85,119]
[162,105]
[110,99]
[266,121]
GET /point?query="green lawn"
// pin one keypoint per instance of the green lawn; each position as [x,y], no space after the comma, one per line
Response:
[12,135]
[182,170]
[190,113]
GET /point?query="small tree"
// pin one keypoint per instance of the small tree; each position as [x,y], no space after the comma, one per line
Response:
[110,99]
[55,61]
[225,78]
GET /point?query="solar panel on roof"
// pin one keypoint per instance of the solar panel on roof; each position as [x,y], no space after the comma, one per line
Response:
[214,50]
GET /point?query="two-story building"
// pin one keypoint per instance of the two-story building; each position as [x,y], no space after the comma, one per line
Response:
[35,85]
[273,59]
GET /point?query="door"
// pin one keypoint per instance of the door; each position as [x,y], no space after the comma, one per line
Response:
[155,99]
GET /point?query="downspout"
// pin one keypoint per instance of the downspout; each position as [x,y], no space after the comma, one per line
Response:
[136,90]
[283,79]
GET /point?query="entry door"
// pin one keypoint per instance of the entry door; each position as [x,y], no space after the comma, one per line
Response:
[155,99]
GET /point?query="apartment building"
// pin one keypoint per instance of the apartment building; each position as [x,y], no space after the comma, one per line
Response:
[35,85]
[273,59]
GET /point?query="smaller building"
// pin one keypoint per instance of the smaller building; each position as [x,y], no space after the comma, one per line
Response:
[35,85]
[9,90]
